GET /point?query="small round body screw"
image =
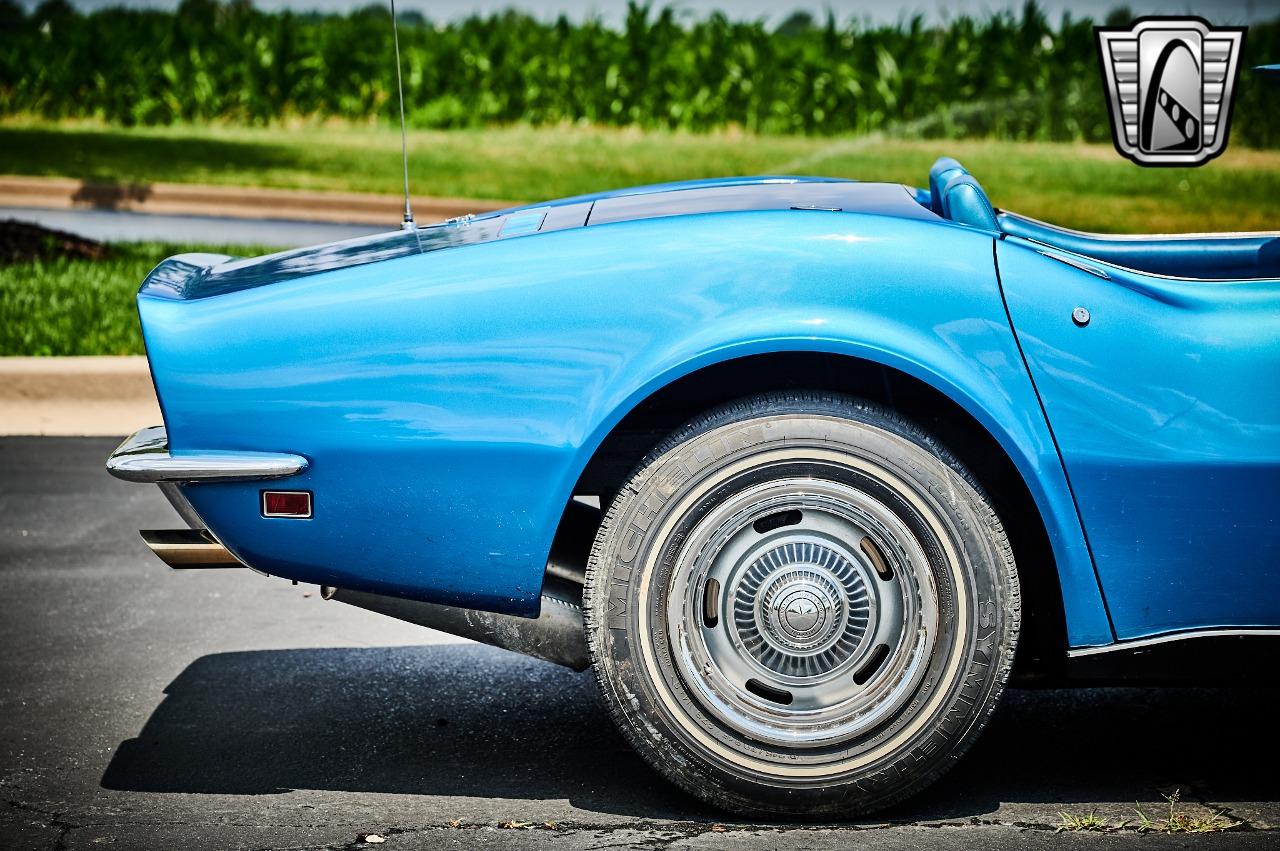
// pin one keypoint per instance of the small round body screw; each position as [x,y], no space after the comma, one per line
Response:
[1080,316]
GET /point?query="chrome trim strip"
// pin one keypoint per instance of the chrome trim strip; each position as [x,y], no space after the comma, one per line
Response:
[1076,264]
[1032,242]
[1140,643]
[1119,238]
[145,457]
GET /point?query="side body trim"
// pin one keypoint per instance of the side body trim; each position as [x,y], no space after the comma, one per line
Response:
[1168,638]
[1213,656]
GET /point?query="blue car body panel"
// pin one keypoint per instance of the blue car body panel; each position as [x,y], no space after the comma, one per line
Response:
[448,385]
[1166,410]
[447,402]
[188,277]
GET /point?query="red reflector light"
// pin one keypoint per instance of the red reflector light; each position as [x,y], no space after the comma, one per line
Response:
[286,503]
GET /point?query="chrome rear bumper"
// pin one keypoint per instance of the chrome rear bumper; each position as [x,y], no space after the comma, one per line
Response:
[145,457]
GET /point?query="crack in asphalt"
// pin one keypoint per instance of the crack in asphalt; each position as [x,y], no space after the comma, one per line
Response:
[1242,825]
[643,834]
[48,819]
[681,830]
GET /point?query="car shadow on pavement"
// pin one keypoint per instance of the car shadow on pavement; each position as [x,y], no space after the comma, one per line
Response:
[467,720]
[457,720]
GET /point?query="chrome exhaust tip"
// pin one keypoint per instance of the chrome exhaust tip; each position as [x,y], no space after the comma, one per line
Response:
[189,549]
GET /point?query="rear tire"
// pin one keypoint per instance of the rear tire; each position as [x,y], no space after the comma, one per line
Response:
[801,605]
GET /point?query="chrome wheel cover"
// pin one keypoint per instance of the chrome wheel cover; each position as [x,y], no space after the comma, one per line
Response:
[801,613]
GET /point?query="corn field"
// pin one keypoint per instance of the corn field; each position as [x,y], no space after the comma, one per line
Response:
[1013,75]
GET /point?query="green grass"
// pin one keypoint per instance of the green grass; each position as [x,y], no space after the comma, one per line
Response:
[1077,185]
[72,307]
[1174,817]
[1083,823]
[81,307]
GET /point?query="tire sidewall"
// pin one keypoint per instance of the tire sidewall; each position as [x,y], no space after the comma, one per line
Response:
[629,572]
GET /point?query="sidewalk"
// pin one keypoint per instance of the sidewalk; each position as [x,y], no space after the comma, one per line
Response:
[76,396]
[194,199]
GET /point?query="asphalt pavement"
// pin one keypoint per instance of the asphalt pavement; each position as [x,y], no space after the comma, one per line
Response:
[123,226]
[147,708]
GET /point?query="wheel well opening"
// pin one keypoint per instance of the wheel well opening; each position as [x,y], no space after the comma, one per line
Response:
[1042,645]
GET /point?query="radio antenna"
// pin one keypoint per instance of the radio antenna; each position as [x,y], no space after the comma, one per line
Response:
[408,223]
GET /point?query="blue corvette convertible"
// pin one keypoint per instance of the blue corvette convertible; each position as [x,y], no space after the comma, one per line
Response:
[804,469]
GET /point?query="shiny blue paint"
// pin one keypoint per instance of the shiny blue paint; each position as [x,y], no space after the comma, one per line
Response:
[449,401]
[196,276]
[1167,415]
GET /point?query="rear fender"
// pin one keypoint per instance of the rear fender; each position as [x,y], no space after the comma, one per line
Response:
[447,403]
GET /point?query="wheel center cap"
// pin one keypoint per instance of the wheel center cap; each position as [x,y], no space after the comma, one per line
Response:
[801,614]
[800,609]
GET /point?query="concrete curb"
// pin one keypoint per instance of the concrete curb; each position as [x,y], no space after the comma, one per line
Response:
[76,396]
[194,199]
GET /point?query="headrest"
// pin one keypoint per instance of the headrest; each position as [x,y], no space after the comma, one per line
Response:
[964,202]
[943,170]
